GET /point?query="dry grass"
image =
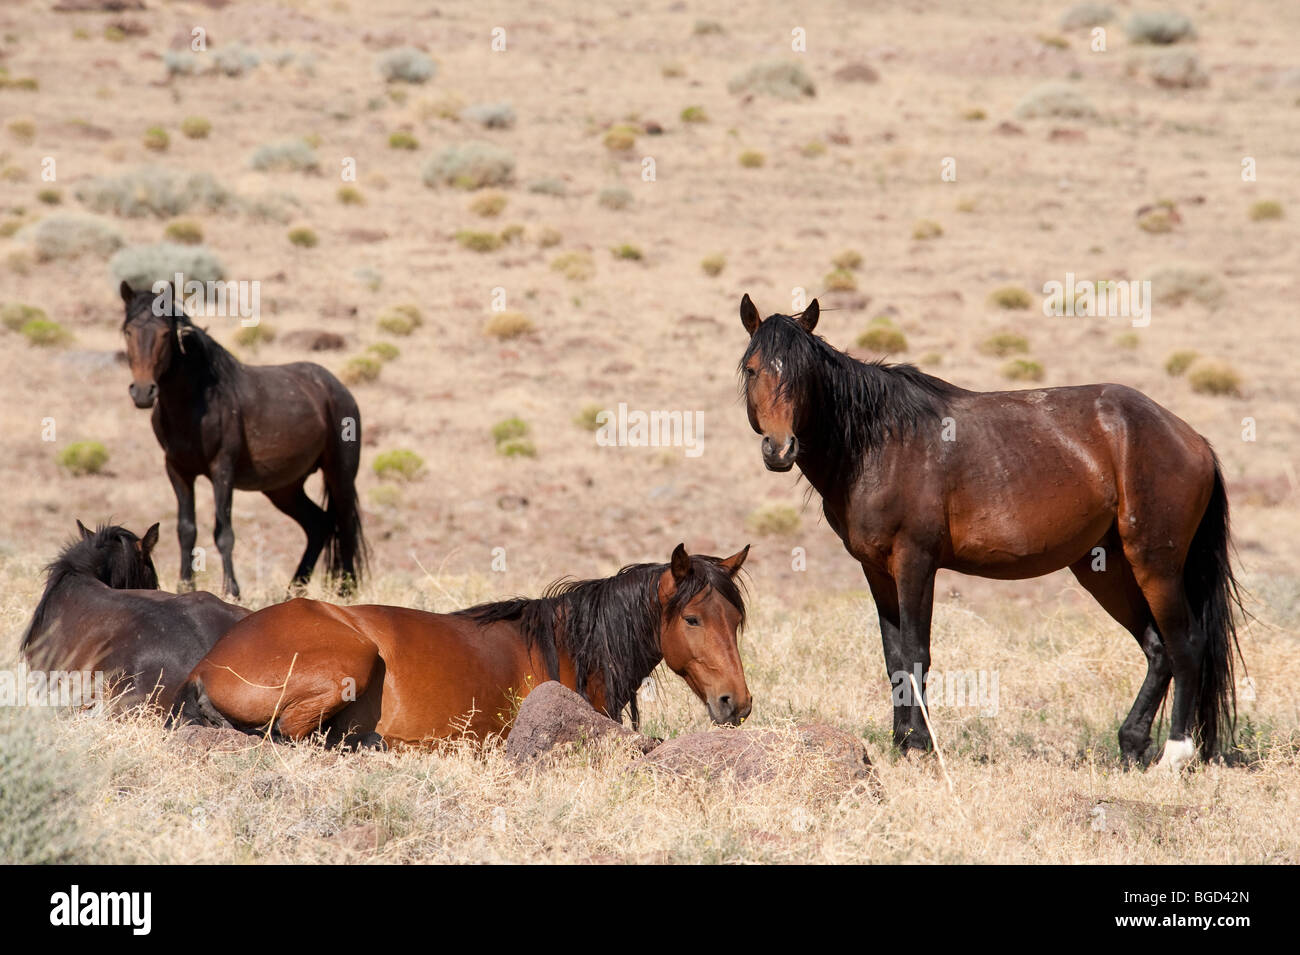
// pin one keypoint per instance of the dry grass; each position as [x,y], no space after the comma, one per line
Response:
[1024,780]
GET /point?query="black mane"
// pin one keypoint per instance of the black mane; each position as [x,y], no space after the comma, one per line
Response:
[609,626]
[109,555]
[845,409]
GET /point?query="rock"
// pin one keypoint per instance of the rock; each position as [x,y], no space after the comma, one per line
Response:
[1133,817]
[856,73]
[553,715]
[760,756]
[360,839]
[211,739]
[313,339]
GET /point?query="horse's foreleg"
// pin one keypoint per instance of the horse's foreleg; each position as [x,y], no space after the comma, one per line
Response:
[294,502]
[186,528]
[223,489]
[904,610]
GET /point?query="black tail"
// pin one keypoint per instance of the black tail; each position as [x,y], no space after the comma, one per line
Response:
[346,551]
[193,706]
[1213,594]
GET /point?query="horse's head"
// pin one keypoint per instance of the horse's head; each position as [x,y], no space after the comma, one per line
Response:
[702,609]
[115,556]
[768,376]
[155,333]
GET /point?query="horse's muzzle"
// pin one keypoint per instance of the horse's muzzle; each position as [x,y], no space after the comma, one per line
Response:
[143,395]
[725,709]
[783,458]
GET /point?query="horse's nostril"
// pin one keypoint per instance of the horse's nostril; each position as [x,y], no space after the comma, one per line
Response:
[725,701]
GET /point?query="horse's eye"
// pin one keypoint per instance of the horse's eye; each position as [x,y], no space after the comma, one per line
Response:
[692,621]
[751,373]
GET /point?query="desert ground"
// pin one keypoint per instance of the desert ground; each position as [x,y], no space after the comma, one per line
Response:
[930,157]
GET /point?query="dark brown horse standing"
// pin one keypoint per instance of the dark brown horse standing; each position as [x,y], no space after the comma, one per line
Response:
[255,428]
[917,474]
[102,610]
[369,673]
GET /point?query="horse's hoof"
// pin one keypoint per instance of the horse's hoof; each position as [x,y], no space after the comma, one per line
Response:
[1178,754]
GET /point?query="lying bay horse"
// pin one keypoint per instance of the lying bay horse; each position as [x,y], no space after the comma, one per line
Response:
[369,673]
[255,428]
[102,611]
[916,474]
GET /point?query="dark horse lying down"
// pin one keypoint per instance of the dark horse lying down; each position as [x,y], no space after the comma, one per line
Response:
[256,428]
[917,474]
[102,610]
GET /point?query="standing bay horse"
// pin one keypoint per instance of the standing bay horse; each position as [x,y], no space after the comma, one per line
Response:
[367,674]
[102,611]
[255,428]
[916,474]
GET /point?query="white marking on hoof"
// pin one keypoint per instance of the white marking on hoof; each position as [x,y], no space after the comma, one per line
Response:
[1178,753]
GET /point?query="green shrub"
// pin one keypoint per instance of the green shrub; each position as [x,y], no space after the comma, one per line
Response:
[184,231]
[401,139]
[157,139]
[399,464]
[615,197]
[14,315]
[507,325]
[44,332]
[626,251]
[1214,378]
[752,159]
[778,78]
[489,204]
[883,338]
[1173,285]
[1011,297]
[1086,15]
[490,115]
[196,127]
[713,264]
[478,241]
[694,114]
[512,233]
[840,280]
[406,65]
[847,261]
[287,155]
[1159,27]
[253,337]
[360,369]
[400,319]
[620,139]
[548,238]
[140,266]
[1266,209]
[511,429]
[472,165]
[1055,100]
[813,149]
[22,128]
[1003,344]
[927,229]
[69,235]
[50,197]
[1180,361]
[773,520]
[153,191]
[521,448]
[304,237]
[384,351]
[1023,369]
[350,196]
[586,418]
[575,266]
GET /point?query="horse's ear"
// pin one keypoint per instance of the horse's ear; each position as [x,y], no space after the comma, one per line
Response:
[681,565]
[126,291]
[735,561]
[149,540]
[749,315]
[183,331]
[808,317]
[85,532]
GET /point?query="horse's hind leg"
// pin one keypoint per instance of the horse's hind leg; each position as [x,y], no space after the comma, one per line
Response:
[1109,578]
[294,502]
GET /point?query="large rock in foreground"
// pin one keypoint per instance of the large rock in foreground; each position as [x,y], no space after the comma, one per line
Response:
[553,715]
[750,757]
